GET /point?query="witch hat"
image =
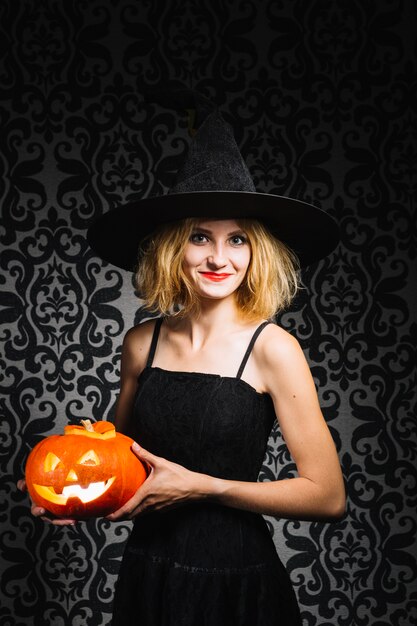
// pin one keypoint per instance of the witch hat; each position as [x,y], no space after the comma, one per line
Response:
[214,182]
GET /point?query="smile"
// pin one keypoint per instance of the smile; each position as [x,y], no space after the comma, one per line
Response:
[85,494]
[215,277]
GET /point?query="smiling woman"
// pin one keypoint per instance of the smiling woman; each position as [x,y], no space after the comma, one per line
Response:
[216,259]
[202,385]
[265,289]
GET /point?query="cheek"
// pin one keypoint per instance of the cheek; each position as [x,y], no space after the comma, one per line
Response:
[192,257]
[244,259]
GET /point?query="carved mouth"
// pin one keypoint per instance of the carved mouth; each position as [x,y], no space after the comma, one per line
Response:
[85,494]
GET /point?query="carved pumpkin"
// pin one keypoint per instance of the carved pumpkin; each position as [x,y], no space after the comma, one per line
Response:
[89,471]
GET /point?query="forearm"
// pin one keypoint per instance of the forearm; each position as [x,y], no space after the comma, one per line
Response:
[295,498]
[169,484]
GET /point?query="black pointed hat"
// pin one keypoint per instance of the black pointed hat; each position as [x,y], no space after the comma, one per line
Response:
[214,182]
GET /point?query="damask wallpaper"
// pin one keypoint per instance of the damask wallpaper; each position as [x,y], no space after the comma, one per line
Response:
[322,98]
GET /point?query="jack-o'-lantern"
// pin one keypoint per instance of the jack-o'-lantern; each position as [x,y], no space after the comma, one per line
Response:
[89,471]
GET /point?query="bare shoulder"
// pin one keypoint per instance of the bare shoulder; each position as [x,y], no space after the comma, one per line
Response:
[141,333]
[276,345]
[136,344]
[281,362]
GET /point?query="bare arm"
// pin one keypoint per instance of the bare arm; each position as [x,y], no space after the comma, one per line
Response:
[318,490]
[135,349]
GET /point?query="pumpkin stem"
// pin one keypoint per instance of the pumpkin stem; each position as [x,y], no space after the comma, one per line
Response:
[87,425]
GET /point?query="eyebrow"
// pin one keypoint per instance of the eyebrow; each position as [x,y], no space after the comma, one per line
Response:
[207,231]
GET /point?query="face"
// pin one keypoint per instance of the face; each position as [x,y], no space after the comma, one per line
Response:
[216,258]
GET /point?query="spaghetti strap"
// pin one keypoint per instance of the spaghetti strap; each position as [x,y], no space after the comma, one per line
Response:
[250,346]
[154,342]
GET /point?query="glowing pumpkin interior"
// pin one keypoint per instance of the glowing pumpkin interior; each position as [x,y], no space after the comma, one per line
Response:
[72,489]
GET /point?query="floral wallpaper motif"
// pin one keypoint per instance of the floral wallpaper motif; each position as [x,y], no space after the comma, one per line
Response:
[322,99]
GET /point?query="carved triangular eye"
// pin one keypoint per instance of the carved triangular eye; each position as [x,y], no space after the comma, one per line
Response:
[72,476]
[89,458]
[51,462]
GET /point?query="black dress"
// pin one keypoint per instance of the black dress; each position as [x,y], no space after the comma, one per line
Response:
[203,564]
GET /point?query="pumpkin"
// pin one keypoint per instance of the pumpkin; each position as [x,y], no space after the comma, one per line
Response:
[89,471]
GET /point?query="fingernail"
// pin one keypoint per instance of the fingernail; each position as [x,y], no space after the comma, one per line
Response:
[136,446]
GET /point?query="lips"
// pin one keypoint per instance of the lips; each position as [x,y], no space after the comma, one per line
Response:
[214,276]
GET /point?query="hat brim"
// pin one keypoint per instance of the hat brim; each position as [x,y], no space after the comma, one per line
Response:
[309,231]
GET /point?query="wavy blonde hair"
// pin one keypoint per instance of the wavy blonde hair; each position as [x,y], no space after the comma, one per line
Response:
[269,286]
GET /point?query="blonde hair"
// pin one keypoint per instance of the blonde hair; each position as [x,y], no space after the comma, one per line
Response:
[269,286]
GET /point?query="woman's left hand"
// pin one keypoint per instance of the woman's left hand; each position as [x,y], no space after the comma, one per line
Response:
[168,485]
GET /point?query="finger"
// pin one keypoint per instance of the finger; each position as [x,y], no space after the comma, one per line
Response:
[118,516]
[59,521]
[38,511]
[145,455]
[21,484]
[131,505]
[45,516]
[121,514]
[147,459]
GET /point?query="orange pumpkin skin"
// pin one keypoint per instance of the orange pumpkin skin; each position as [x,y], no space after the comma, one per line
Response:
[82,473]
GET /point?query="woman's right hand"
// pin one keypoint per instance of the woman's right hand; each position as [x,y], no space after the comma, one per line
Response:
[45,515]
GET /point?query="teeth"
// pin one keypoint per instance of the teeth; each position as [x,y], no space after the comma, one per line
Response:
[85,494]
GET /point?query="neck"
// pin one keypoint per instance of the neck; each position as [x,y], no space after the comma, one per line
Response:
[217,317]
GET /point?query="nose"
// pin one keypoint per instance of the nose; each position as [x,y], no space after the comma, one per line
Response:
[217,256]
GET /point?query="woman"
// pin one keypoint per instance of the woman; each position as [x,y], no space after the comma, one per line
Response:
[199,551]
[201,387]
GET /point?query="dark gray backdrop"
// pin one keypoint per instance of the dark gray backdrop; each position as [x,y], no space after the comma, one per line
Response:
[322,97]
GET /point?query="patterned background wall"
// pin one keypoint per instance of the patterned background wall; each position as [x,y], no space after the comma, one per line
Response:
[322,97]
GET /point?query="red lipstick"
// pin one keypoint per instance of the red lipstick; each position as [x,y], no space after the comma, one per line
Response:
[214,276]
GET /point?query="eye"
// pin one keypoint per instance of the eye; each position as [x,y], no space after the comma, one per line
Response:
[238,240]
[89,458]
[198,238]
[51,462]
